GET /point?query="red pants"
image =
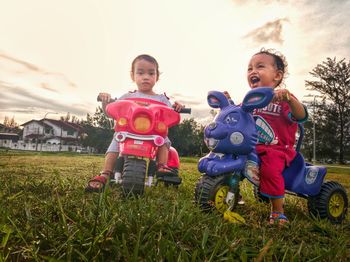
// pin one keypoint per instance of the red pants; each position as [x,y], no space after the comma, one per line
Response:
[274,159]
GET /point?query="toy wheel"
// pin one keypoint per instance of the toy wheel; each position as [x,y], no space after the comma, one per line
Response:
[330,203]
[259,197]
[211,192]
[134,176]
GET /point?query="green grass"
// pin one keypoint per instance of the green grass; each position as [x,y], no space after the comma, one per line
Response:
[45,215]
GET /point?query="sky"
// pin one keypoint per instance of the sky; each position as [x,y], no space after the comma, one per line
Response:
[56,56]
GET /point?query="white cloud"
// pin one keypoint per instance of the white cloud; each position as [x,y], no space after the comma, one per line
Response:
[29,91]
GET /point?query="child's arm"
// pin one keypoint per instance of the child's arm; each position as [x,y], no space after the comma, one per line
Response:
[105,99]
[228,96]
[297,109]
[178,106]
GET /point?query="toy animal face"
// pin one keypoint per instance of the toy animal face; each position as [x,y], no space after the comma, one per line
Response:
[233,130]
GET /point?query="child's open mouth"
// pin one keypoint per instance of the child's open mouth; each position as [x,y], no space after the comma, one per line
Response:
[254,79]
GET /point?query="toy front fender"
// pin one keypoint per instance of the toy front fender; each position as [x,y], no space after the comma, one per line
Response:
[214,164]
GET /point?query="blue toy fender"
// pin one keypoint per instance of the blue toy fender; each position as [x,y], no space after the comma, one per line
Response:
[303,178]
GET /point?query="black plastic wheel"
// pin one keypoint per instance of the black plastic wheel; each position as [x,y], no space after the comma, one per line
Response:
[259,197]
[210,193]
[331,203]
[134,176]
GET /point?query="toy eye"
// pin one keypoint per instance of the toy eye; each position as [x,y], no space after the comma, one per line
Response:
[232,118]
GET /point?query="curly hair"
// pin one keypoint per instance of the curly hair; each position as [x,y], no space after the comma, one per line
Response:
[280,61]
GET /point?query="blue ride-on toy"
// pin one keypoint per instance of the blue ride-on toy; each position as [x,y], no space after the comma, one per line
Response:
[232,137]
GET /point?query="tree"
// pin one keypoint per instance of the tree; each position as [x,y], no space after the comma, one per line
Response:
[98,129]
[10,123]
[65,118]
[101,120]
[334,84]
[187,138]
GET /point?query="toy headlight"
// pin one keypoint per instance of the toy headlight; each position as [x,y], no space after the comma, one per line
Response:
[122,121]
[142,123]
[161,127]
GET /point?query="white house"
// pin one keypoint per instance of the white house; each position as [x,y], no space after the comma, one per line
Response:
[50,135]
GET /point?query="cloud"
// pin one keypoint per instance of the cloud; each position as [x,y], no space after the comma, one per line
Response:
[263,2]
[20,67]
[29,91]
[269,32]
[184,99]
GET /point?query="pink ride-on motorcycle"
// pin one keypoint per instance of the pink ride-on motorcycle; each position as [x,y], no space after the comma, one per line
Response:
[141,127]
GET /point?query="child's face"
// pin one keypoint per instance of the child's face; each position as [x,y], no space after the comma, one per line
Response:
[145,76]
[262,71]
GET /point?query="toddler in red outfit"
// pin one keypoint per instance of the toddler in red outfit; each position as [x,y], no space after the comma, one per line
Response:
[277,124]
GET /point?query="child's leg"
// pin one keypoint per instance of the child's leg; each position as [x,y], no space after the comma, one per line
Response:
[162,155]
[110,160]
[97,183]
[112,154]
[277,205]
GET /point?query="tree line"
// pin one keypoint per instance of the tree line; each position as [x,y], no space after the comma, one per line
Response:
[329,111]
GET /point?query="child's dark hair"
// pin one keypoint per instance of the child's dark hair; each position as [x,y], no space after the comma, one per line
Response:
[148,58]
[280,60]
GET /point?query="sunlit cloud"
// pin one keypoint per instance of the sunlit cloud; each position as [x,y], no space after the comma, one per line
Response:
[30,91]
[271,32]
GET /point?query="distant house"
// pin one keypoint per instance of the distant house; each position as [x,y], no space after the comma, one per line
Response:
[46,135]
[8,136]
[8,139]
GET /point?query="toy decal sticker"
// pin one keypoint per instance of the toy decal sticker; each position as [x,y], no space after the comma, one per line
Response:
[251,172]
[265,132]
[236,138]
[311,175]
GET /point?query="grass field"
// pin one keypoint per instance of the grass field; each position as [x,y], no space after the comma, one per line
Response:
[45,215]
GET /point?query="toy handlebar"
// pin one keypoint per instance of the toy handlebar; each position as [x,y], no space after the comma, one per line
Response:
[185,110]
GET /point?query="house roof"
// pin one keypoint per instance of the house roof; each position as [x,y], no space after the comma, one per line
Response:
[33,120]
[62,124]
[65,125]
[9,136]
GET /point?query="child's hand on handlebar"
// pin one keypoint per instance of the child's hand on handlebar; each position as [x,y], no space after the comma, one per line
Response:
[227,94]
[178,106]
[105,98]
[281,94]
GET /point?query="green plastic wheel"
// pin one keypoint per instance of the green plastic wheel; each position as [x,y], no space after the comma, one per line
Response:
[211,192]
[331,203]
